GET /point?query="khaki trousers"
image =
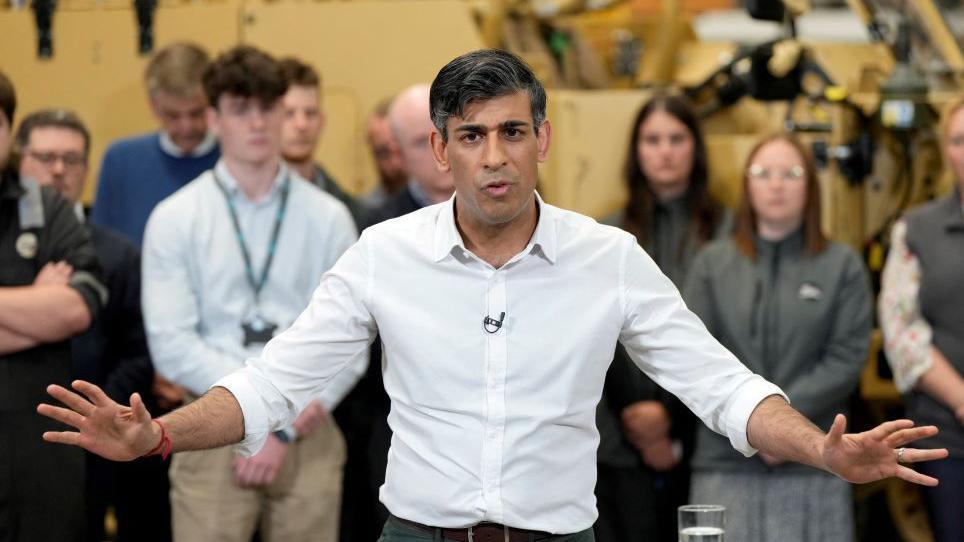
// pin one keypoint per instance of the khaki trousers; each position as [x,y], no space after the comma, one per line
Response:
[302,504]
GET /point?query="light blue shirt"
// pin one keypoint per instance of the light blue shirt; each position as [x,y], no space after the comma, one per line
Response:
[195,290]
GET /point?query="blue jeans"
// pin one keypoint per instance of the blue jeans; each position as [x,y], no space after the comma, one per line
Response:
[396,531]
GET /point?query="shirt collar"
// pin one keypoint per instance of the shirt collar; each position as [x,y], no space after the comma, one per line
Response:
[79,212]
[791,244]
[170,149]
[447,237]
[231,184]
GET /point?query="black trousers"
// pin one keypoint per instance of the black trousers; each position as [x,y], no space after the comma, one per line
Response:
[41,484]
[626,502]
[138,490]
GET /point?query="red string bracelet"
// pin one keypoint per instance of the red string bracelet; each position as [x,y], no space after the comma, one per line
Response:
[164,446]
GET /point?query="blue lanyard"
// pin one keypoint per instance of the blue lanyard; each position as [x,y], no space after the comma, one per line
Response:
[256,284]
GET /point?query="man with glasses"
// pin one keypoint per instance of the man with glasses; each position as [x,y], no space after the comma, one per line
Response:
[50,290]
[53,145]
[388,159]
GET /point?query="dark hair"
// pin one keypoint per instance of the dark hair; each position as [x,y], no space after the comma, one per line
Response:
[50,118]
[483,75]
[744,231]
[703,210]
[244,71]
[298,73]
[8,98]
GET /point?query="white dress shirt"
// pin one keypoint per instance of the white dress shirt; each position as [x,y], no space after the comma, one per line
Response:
[195,292]
[495,426]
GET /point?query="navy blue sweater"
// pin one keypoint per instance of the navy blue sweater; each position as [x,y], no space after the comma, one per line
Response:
[136,175]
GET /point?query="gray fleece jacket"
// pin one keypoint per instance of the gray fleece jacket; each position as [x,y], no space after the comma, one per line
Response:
[802,322]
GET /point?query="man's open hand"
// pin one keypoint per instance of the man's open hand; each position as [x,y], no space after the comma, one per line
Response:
[872,455]
[104,427]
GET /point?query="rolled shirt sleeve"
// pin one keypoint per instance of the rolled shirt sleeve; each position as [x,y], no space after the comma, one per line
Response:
[670,343]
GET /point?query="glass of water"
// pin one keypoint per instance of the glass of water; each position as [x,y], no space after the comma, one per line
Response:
[701,523]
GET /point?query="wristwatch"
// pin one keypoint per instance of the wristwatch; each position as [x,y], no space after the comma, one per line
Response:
[285,435]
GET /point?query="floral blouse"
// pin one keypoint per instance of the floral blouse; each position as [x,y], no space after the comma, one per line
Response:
[907,336]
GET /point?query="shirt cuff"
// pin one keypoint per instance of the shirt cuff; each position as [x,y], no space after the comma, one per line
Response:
[746,399]
[252,409]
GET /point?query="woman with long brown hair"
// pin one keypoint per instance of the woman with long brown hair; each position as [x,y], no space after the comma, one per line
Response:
[646,434]
[795,307]
[670,209]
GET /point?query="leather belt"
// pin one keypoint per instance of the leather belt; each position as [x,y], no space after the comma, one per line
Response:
[483,532]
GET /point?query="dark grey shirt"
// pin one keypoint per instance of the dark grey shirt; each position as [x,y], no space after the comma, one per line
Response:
[325,181]
[935,235]
[802,322]
[672,244]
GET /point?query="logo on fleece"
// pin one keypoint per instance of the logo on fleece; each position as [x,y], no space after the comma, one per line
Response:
[810,292]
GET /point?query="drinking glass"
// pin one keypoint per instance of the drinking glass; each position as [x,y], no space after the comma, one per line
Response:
[701,523]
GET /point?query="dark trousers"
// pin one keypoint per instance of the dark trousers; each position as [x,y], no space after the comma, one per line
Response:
[362,416]
[138,490]
[945,503]
[626,502]
[396,531]
[41,484]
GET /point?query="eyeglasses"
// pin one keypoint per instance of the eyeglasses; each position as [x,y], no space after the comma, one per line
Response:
[762,174]
[71,160]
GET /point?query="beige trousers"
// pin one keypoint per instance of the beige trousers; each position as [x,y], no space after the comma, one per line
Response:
[302,504]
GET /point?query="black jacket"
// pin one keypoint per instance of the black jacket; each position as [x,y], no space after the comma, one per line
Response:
[113,352]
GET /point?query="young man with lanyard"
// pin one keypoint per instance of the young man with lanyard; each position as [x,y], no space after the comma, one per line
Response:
[499,315]
[229,261]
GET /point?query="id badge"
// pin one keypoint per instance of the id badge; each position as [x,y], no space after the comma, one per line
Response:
[257,330]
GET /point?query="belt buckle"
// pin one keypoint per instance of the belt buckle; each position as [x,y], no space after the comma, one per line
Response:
[505,532]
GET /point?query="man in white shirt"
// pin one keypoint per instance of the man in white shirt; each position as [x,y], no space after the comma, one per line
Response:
[498,314]
[229,260]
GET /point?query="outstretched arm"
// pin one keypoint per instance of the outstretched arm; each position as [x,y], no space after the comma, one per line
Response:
[123,433]
[775,428]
